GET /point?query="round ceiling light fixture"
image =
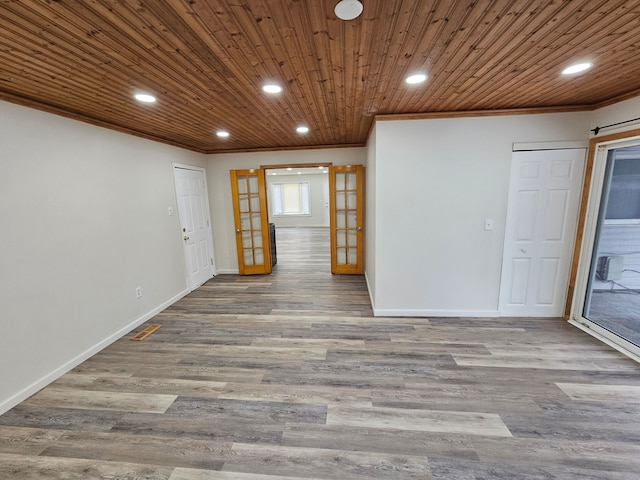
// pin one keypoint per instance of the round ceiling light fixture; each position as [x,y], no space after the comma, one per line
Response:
[302,129]
[416,78]
[271,88]
[144,97]
[577,68]
[348,9]
[222,133]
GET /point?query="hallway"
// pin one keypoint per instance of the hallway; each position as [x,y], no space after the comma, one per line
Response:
[288,376]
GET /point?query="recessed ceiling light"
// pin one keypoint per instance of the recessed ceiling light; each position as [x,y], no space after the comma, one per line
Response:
[222,134]
[416,78]
[144,97]
[289,168]
[299,173]
[577,68]
[271,88]
[302,129]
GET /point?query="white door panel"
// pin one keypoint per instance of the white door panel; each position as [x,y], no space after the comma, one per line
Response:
[195,230]
[544,195]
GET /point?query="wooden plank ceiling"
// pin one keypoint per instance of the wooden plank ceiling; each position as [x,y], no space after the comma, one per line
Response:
[206,61]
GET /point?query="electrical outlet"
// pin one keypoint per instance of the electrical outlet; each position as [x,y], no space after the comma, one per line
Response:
[170,209]
[138,292]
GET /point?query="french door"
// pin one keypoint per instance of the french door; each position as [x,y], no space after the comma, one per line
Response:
[251,221]
[346,219]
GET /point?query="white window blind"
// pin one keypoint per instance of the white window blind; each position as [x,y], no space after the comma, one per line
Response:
[290,198]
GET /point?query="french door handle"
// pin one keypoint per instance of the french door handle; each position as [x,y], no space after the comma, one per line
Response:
[359,229]
[238,230]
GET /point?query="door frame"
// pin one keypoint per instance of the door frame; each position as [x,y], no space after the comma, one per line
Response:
[585,238]
[184,166]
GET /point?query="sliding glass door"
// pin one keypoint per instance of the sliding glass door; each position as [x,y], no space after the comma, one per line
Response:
[612,286]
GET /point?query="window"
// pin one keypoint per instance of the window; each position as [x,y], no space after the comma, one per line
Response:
[290,198]
[624,189]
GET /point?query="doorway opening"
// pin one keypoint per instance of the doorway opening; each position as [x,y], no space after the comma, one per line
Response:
[252,215]
[299,218]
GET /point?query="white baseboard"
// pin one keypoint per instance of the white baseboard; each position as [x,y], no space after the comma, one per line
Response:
[371,298]
[38,385]
[228,271]
[381,312]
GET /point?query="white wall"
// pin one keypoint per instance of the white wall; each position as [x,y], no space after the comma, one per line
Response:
[84,217]
[84,214]
[318,183]
[436,181]
[618,112]
[218,180]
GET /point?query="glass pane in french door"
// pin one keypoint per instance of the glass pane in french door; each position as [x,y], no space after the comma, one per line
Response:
[613,290]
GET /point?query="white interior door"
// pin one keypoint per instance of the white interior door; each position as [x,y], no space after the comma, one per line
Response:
[544,196]
[191,194]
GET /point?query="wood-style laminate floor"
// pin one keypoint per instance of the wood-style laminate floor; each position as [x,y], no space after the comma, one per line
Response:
[288,376]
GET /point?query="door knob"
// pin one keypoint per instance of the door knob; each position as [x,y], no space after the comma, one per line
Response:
[359,229]
[186,238]
[238,230]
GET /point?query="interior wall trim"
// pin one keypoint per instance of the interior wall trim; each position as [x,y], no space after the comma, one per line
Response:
[482,113]
[8,404]
[563,145]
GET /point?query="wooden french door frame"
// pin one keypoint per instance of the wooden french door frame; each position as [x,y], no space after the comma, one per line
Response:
[251,221]
[346,198]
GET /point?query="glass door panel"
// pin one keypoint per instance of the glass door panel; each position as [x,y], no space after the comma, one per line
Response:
[249,203]
[346,194]
[612,299]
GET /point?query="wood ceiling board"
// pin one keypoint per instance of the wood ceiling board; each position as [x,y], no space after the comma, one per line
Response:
[207,60]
